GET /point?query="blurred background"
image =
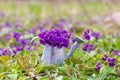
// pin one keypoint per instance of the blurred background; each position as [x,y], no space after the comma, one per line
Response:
[103,14]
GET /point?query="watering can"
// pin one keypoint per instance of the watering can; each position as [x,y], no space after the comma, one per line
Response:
[54,55]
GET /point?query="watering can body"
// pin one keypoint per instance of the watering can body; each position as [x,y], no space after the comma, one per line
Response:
[54,55]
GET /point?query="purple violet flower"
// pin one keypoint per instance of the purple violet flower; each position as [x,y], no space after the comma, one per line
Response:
[19,48]
[2,14]
[16,35]
[1,51]
[87,34]
[88,47]
[105,57]
[23,42]
[116,52]
[55,37]
[73,39]
[29,48]
[14,52]
[98,66]
[35,43]
[7,24]
[18,25]
[33,31]
[60,24]
[111,62]
[7,37]
[6,52]
[96,35]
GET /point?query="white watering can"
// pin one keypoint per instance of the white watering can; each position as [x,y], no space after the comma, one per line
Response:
[53,55]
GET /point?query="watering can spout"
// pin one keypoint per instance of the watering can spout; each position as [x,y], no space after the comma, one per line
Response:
[74,46]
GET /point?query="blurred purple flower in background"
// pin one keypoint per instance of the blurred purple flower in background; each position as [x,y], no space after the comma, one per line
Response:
[2,14]
[15,52]
[19,48]
[6,52]
[7,24]
[96,35]
[88,47]
[18,26]
[98,66]
[61,23]
[7,37]
[35,43]
[29,48]
[111,62]
[73,39]
[23,42]
[116,53]
[33,31]
[87,34]
[105,57]
[1,51]
[16,35]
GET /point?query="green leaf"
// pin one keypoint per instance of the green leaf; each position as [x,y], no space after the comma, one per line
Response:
[4,59]
[34,60]
[87,56]
[91,78]
[13,76]
[105,72]
[74,60]
[20,63]
[65,78]
[39,68]
[73,78]
[59,78]
[42,78]
[23,62]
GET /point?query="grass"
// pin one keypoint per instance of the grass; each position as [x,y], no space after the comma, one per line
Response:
[65,9]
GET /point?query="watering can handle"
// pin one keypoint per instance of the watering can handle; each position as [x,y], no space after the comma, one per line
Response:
[33,39]
[36,37]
